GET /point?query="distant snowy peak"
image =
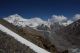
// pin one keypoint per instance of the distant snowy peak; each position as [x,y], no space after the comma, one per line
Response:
[14,17]
[20,21]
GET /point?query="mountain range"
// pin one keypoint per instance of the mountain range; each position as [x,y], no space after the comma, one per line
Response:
[50,35]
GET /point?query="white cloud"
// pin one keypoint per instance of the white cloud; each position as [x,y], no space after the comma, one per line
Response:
[59,18]
[67,23]
[62,20]
[76,17]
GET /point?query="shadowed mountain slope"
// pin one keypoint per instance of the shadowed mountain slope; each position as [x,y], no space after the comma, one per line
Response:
[9,45]
[31,35]
[72,33]
[68,37]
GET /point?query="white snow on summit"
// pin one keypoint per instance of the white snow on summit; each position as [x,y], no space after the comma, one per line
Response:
[20,21]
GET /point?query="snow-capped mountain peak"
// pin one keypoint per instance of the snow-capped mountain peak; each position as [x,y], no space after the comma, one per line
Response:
[35,22]
[13,17]
[20,21]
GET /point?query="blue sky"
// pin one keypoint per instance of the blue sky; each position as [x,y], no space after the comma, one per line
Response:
[39,8]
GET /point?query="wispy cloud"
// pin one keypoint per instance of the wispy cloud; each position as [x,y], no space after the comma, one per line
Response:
[62,20]
[58,18]
[76,17]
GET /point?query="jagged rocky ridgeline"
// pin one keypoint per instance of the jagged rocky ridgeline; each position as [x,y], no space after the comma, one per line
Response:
[68,37]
